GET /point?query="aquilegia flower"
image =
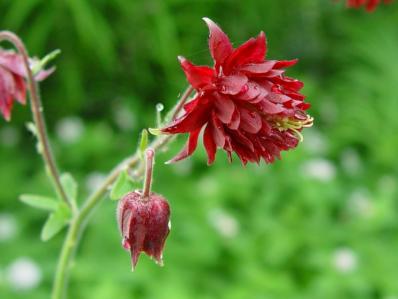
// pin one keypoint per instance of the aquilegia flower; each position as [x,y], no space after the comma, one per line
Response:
[12,80]
[144,219]
[245,103]
[369,4]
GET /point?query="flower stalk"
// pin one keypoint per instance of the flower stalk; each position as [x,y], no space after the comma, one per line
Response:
[78,223]
[38,117]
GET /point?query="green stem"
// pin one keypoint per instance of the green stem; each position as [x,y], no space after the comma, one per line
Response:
[78,223]
[38,117]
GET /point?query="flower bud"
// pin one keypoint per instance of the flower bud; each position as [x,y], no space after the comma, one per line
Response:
[144,224]
[144,219]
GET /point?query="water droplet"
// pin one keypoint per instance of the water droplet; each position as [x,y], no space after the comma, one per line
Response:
[159,107]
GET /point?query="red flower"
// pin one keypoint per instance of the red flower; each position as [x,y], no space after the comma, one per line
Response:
[370,4]
[245,103]
[12,80]
[144,223]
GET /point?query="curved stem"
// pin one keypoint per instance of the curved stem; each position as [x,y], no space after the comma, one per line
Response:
[38,118]
[78,223]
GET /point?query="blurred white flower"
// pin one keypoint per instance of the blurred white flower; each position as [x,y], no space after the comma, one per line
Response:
[94,180]
[315,141]
[388,183]
[208,186]
[23,274]
[320,169]
[182,167]
[351,162]
[224,223]
[345,260]
[8,227]
[328,110]
[360,203]
[70,129]
[9,136]
[124,117]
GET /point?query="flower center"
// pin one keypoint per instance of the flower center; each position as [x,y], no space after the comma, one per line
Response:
[294,125]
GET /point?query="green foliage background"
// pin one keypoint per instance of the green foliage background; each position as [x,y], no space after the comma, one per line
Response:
[287,230]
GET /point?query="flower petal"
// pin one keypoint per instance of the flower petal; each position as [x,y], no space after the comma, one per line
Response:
[232,84]
[252,51]
[219,43]
[200,77]
[250,121]
[224,108]
[192,120]
[189,147]
[235,120]
[281,64]
[258,68]
[209,144]
[268,107]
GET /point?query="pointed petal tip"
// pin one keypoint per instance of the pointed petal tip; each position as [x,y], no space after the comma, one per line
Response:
[181,59]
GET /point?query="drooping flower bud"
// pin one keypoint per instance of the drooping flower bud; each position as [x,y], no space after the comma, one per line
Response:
[144,220]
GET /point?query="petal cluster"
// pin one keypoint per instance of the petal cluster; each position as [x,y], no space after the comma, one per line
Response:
[144,224]
[370,5]
[13,81]
[244,103]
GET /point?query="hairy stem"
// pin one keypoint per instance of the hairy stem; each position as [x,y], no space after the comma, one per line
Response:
[78,223]
[38,117]
[148,173]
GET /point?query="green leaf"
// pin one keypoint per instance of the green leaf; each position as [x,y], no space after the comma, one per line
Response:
[143,143]
[70,186]
[122,186]
[39,202]
[56,221]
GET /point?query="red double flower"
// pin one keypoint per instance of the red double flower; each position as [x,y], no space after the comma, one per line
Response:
[12,80]
[244,103]
[370,5]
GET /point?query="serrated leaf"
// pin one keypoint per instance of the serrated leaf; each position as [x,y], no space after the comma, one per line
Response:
[70,186]
[39,202]
[122,186]
[143,143]
[56,221]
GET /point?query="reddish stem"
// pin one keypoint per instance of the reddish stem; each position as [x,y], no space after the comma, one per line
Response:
[150,153]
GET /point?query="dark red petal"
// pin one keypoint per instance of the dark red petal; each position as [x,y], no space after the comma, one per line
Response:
[258,68]
[232,84]
[219,43]
[252,51]
[7,90]
[235,121]
[209,144]
[250,121]
[285,63]
[219,135]
[189,147]
[20,89]
[199,77]
[268,107]
[224,108]
[192,120]
[251,91]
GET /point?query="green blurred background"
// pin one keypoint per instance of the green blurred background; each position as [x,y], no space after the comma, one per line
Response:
[321,223]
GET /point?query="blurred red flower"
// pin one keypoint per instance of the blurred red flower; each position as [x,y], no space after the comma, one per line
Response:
[369,4]
[12,80]
[245,103]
